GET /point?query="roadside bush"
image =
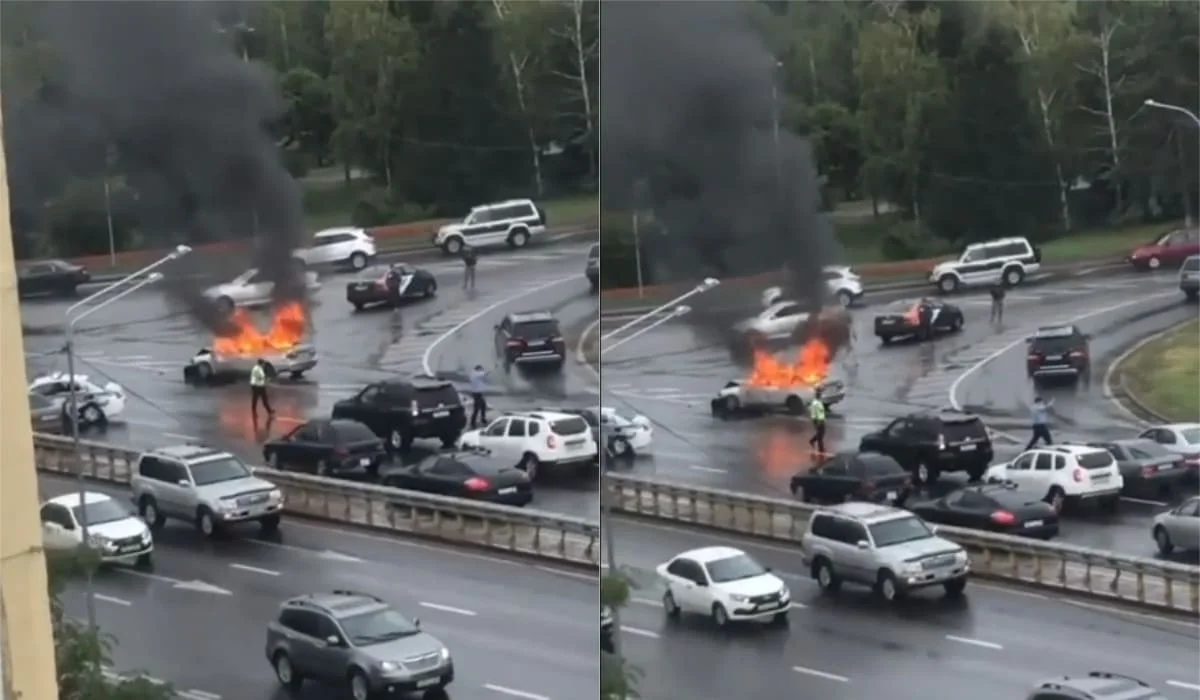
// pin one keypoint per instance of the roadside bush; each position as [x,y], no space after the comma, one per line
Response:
[905,240]
[377,207]
[618,256]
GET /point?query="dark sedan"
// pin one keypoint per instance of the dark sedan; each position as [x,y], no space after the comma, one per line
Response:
[1149,469]
[327,447]
[922,320]
[858,476]
[397,284]
[46,415]
[998,508]
[52,277]
[473,475]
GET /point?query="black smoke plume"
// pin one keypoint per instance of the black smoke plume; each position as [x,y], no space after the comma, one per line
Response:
[688,131]
[188,119]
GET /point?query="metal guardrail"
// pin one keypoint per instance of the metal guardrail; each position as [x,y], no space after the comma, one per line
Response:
[518,530]
[1146,582]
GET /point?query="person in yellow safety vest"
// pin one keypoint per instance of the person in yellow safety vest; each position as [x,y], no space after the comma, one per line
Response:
[816,412]
[258,389]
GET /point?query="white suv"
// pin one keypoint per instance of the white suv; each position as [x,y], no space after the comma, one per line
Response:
[1008,260]
[725,584]
[349,246]
[514,222]
[1064,473]
[536,440]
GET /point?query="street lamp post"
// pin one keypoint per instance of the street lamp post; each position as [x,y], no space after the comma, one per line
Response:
[1174,108]
[674,310]
[148,276]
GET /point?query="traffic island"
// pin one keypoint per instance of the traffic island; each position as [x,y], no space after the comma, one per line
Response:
[1160,378]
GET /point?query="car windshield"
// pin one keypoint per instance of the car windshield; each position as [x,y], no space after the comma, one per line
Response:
[1192,265]
[1191,435]
[899,531]
[225,469]
[377,626]
[734,568]
[99,512]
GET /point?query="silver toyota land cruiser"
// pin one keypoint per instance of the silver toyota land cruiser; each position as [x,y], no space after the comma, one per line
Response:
[887,548]
[209,488]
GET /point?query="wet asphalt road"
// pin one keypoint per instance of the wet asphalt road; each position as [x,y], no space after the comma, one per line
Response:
[143,342]
[671,373]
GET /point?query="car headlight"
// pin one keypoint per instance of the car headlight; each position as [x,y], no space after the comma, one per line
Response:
[784,593]
[99,542]
[961,557]
[738,598]
[388,666]
[912,569]
[276,495]
[445,654]
[229,505]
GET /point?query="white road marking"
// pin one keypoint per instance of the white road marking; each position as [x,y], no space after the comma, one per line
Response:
[1160,504]
[820,674]
[181,436]
[639,632]
[974,642]
[953,391]
[1185,686]
[254,569]
[428,355]
[798,606]
[590,578]
[112,599]
[645,601]
[513,691]
[448,608]
[710,470]
[194,694]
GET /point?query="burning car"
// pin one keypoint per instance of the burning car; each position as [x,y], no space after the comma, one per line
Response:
[776,386]
[234,353]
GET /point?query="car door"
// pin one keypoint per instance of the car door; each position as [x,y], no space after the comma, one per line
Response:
[176,490]
[1185,526]
[1047,470]
[831,481]
[688,585]
[858,563]
[493,436]
[516,439]
[321,252]
[58,527]
[366,409]
[1020,471]
[304,449]
[966,509]
[442,475]
[301,627]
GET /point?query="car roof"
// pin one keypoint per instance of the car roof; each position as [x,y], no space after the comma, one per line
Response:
[1068,448]
[524,316]
[71,500]
[542,415]
[779,305]
[60,377]
[945,415]
[1060,330]
[189,453]
[999,241]
[505,203]
[866,512]
[336,230]
[704,555]
[1179,426]
[338,603]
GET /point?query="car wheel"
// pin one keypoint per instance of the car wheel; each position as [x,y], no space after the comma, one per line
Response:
[925,474]
[395,440]
[780,619]
[206,523]
[955,587]
[148,509]
[1192,295]
[800,494]
[826,579]
[957,324]
[885,339]
[358,306]
[1013,276]
[225,305]
[358,261]
[360,688]
[794,405]
[92,415]
[976,473]
[1153,263]
[518,238]
[204,371]
[284,671]
[1056,498]
[145,562]
[448,441]
[669,604]
[948,284]
[720,616]
[845,299]
[620,448]
[529,464]
[431,289]
[1163,539]
[453,245]
[322,468]
[269,525]
[887,587]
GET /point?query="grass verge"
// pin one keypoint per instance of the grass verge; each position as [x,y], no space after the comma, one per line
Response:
[1164,374]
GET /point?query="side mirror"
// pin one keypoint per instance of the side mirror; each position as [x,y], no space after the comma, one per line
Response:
[1029,340]
[333,640]
[184,483]
[767,569]
[863,544]
[417,622]
[702,584]
[934,529]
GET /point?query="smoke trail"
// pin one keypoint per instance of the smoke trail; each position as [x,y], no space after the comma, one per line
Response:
[188,117]
[688,114]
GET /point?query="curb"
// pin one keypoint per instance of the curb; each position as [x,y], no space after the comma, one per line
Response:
[1139,406]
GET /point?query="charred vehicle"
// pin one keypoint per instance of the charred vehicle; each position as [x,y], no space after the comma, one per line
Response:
[776,386]
[283,347]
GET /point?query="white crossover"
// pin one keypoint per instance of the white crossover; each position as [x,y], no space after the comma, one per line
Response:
[115,532]
[97,404]
[725,584]
[1063,474]
[347,245]
[251,288]
[536,440]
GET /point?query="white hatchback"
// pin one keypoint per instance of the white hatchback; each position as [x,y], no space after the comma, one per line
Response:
[115,532]
[725,584]
[347,245]
[1062,474]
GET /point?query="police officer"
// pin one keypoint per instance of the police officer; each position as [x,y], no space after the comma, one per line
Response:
[258,389]
[998,293]
[469,260]
[816,412]
[478,382]
[1039,416]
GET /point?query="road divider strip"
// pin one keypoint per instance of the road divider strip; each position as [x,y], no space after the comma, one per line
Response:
[384,509]
[1145,582]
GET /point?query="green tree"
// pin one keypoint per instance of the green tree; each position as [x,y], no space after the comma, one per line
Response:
[618,679]
[309,123]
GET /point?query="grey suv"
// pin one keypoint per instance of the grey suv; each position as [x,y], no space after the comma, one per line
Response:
[887,548]
[208,488]
[355,640]
[1096,685]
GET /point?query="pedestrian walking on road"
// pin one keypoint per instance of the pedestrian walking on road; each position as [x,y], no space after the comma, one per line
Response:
[816,412]
[1040,415]
[478,382]
[469,260]
[258,389]
[998,292]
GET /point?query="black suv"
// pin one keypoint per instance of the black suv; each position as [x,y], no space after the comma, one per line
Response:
[1058,351]
[530,338]
[592,268]
[929,443]
[400,411]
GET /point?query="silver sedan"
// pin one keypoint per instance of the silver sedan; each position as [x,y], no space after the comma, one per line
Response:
[1179,528]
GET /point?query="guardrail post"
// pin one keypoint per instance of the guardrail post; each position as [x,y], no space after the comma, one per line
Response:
[1169,598]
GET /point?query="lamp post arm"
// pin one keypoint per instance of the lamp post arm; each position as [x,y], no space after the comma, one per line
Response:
[125,280]
[700,289]
[679,311]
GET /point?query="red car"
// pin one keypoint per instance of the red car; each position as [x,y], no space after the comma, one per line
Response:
[1170,250]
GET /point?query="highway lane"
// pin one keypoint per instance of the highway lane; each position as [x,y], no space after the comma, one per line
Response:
[198,621]
[670,374]
[994,645]
[143,342]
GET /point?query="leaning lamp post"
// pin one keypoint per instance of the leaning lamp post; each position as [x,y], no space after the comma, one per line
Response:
[139,279]
[1174,108]
[671,310]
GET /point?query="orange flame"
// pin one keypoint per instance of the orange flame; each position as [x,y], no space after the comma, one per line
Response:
[289,324]
[810,367]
